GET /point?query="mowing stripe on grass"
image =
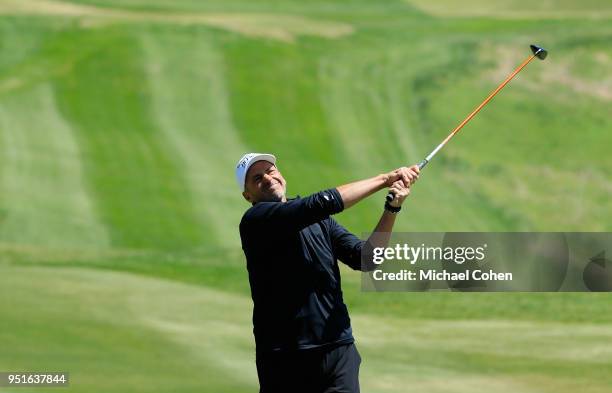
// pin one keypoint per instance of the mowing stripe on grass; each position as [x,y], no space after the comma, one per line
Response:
[140,192]
[44,197]
[190,105]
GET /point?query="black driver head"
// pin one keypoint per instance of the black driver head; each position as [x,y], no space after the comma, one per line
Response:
[539,51]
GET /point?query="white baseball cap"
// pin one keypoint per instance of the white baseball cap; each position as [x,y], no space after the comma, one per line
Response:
[245,163]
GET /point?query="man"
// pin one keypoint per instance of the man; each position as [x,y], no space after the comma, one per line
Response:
[303,336]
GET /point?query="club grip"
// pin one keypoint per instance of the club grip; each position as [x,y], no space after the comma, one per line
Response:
[390,195]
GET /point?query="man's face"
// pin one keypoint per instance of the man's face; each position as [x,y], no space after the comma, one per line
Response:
[264,183]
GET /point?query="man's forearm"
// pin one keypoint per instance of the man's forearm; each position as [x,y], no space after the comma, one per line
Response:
[382,232]
[379,238]
[354,192]
[399,182]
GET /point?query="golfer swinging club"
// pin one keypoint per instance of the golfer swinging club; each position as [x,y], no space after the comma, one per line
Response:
[304,342]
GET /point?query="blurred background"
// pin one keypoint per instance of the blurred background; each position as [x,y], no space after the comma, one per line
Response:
[121,122]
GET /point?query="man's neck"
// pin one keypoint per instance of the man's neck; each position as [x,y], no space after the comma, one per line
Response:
[281,201]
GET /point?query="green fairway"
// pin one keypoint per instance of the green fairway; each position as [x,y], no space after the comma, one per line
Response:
[119,331]
[121,123]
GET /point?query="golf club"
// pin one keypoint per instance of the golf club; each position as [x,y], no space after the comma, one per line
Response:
[538,52]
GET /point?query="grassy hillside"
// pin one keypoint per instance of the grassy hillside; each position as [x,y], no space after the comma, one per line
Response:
[121,122]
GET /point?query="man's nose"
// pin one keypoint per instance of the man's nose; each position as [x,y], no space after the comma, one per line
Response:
[267,178]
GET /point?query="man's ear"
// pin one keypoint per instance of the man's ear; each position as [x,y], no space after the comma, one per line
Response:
[246,196]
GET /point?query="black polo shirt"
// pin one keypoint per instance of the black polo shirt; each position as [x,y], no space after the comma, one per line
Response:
[292,250]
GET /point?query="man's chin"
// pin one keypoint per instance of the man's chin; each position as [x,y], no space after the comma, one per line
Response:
[275,197]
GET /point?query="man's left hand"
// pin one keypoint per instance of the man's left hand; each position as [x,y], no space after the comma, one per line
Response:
[400,191]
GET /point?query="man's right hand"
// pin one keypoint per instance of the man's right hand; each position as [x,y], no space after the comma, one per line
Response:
[408,175]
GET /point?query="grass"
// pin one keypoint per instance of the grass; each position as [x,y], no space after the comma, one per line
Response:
[120,124]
